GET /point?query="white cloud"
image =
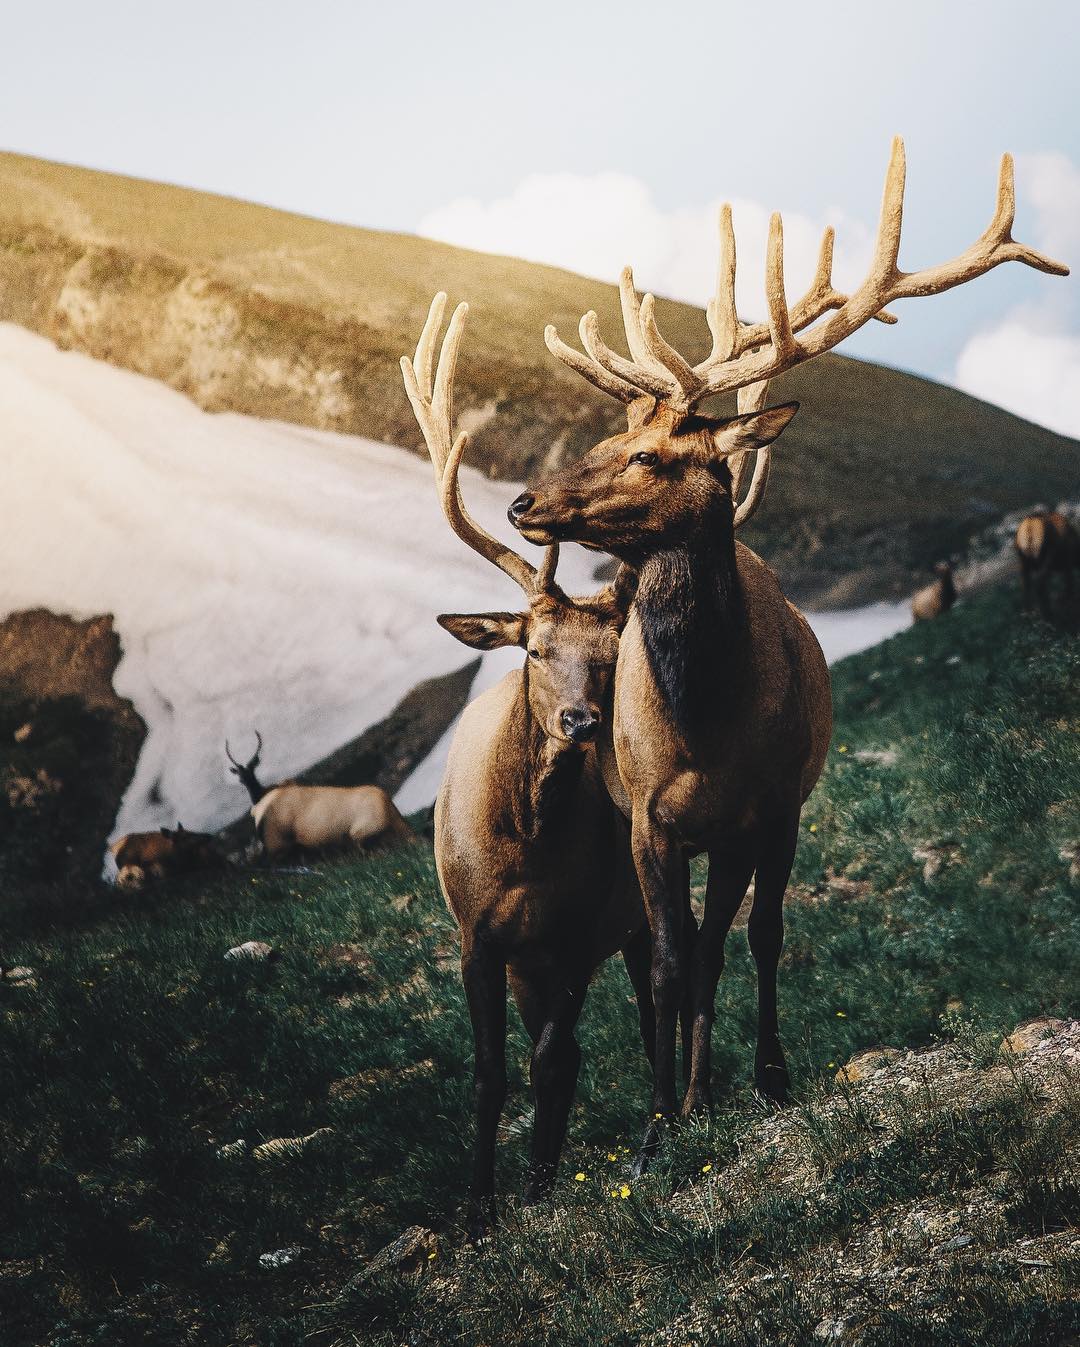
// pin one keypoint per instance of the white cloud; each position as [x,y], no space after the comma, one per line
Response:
[1034,373]
[1029,362]
[596,224]
[1051,183]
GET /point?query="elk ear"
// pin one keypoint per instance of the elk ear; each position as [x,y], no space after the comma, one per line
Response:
[754,430]
[484,631]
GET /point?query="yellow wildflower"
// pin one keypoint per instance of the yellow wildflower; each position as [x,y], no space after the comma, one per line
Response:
[705,1168]
[813,827]
[579,1177]
[841,1015]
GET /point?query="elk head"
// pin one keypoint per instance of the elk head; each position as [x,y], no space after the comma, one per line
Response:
[571,644]
[639,489]
[246,770]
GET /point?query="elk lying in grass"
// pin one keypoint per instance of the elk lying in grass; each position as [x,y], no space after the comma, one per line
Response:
[142,856]
[289,817]
[532,856]
[1046,543]
[722,712]
[937,597]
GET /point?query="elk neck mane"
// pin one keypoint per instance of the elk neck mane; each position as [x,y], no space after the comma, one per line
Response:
[542,776]
[691,611]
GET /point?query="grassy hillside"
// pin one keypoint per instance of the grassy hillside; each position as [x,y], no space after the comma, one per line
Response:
[254,310]
[933,897]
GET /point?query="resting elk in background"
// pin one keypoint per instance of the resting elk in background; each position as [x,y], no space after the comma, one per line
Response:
[937,597]
[317,818]
[1046,542]
[531,854]
[722,711]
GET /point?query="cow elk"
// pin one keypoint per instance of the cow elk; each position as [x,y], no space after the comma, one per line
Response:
[290,817]
[722,712]
[157,855]
[532,856]
[1046,543]
[937,597]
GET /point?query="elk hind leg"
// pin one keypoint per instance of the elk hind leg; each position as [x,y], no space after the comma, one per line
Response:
[729,877]
[766,934]
[483,973]
[661,874]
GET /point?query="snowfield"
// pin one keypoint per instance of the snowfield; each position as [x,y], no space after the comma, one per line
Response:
[259,574]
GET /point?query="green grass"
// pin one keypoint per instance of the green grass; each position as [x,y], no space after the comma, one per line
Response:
[255,310]
[142,1051]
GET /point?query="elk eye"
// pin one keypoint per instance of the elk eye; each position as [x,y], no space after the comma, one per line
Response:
[646,458]
[534,653]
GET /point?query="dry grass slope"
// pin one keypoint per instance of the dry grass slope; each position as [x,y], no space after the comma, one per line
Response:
[255,310]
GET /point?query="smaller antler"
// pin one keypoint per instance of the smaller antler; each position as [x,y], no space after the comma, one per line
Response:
[253,761]
[432,404]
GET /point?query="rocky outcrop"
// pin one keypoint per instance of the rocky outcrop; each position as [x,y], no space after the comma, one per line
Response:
[68,745]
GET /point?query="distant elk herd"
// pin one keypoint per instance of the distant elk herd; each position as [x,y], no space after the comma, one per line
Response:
[682,710]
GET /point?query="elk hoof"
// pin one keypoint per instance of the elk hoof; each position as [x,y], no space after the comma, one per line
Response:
[697,1104]
[481,1219]
[539,1185]
[771,1079]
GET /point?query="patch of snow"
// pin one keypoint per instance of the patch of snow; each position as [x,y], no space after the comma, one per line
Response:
[260,574]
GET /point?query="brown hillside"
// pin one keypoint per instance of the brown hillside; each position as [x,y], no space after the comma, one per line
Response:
[255,310]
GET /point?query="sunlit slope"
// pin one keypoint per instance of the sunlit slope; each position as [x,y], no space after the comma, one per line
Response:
[250,309]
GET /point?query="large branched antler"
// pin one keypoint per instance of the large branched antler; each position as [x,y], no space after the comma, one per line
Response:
[744,357]
[430,388]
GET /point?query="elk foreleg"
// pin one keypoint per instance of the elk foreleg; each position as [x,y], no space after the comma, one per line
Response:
[766,933]
[662,876]
[483,973]
[553,1073]
[686,1010]
[729,876]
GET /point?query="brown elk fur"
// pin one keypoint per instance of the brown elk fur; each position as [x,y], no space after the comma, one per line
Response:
[722,704]
[535,861]
[937,597]
[166,852]
[1046,543]
[532,856]
[722,708]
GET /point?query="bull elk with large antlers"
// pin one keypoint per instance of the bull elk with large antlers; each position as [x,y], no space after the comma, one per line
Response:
[531,854]
[722,713]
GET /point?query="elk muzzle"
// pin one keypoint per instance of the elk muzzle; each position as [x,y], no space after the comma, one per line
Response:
[579,723]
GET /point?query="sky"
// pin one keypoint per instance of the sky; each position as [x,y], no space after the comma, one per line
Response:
[594,134]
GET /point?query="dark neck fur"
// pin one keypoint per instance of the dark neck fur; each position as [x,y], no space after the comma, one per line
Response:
[544,788]
[252,784]
[690,606]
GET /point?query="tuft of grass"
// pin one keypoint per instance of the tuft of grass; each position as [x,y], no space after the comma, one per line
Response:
[141,1052]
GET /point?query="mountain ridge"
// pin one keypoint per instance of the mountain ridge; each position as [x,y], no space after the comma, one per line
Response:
[253,309]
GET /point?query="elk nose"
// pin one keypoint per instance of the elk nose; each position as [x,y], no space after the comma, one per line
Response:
[579,723]
[520,507]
